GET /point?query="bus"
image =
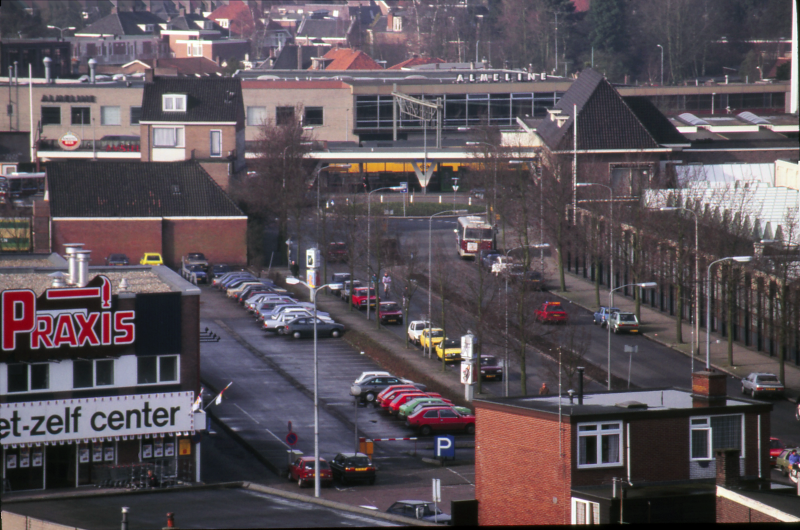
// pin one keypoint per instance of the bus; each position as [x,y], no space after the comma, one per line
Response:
[473,234]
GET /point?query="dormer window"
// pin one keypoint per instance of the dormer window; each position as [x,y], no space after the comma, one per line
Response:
[147,28]
[173,103]
[223,22]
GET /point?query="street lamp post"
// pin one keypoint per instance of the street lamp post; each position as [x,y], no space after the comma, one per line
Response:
[738,259]
[644,285]
[610,233]
[369,240]
[505,297]
[62,30]
[314,291]
[696,330]
[662,63]
[430,276]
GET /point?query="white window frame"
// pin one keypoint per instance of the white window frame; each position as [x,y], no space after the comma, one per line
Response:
[180,138]
[158,358]
[591,507]
[29,390]
[598,432]
[171,102]
[223,23]
[703,423]
[211,143]
[94,375]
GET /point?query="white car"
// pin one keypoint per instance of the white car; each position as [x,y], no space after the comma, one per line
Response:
[253,301]
[279,322]
[302,306]
[762,383]
[365,375]
[415,329]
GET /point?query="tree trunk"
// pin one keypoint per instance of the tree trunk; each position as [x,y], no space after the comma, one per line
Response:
[730,303]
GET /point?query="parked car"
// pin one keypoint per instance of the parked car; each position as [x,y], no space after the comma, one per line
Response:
[349,467]
[482,253]
[365,375]
[198,271]
[278,323]
[409,406]
[117,260]
[450,348]
[337,251]
[426,405]
[151,258]
[304,327]
[415,329]
[551,313]
[623,322]
[364,295]
[252,303]
[196,258]
[422,510]
[222,278]
[490,259]
[337,282]
[392,389]
[389,398]
[782,463]
[436,336]
[390,313]
[532,279]
[490,368]
[602,314]
[402,399]
[776,447]
[348,286]
[218,269]
[372,386]
[302,470]
[440,419]
[762,383]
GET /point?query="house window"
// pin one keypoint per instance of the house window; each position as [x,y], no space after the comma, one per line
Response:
[109,116]
[599,444]
[28,377]
[51,115]
[136,115]
[173,102]
[194,49]
[284,115]
[216,143]
[88,374]
[168,137]
[585,512]
[81,115]
[223,22]
[256,115]
[157,369]
[312,116]
[715,432]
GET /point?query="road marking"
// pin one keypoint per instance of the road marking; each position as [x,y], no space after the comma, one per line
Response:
[460,475]
[281,441]
[248,415]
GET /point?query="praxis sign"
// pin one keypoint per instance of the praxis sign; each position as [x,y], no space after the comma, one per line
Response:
[64,322]
[101,417]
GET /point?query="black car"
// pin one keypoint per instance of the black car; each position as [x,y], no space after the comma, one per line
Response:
[490,368]
[304,327]
[372,386]
[348,467]
[218,270]
[117,260]
[490,258]
[423,510]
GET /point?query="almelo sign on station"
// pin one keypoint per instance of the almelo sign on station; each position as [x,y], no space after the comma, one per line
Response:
[92,418]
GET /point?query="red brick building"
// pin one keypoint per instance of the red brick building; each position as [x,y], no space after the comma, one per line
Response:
[545,460]
[168,207]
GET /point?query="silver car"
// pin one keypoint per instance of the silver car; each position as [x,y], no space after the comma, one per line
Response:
[762,383]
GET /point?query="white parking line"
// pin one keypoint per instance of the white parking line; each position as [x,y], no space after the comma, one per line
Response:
[460,475]
[248,415]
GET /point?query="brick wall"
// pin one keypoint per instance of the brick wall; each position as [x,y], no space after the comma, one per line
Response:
[221,240]
[198,139]
[517,476]
[107,236]
[729,511]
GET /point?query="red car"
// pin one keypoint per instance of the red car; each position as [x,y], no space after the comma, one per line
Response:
[302,470]
[551,313]
[775,448]
[390,389]
[360,297]
[404,398]
[391,396]
[431,419]
[390,313]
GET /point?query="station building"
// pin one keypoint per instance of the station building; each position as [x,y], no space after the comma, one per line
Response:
[99,370]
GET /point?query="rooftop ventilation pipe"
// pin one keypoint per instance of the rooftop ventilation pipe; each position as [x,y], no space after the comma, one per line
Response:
[83,258]
[47,61]
[59,280]
[70,249]
[580,385]
[92,67]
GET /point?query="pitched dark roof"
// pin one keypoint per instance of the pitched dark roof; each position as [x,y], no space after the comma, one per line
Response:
[122,23]
[287,58]
[135,189]
[604,120]
[327,28]
[654,121]
[209,99]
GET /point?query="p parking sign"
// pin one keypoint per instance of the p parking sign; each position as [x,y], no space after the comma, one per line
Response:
[444,446]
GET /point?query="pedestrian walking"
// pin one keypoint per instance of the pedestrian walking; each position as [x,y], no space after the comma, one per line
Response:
[544,391]
[295,269]
[387,283]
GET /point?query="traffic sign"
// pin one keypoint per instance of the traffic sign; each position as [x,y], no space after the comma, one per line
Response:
[291,438]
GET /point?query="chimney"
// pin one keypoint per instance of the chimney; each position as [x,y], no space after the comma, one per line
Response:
[182,11]
[47,61]
[299,57]
[389,21]
[71,249]
[727,461]
[92,67]
[148,74]
[708,388]
[580,384]
[83,257]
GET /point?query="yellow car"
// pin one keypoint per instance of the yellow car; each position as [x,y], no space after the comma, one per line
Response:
[451,349]
[151,258]
[437,335]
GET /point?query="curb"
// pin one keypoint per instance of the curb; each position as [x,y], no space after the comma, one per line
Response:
[116,492]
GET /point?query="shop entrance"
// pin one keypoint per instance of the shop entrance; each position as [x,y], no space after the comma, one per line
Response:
[60,466]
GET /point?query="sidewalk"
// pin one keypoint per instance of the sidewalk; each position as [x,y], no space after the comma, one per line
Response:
[660,327]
